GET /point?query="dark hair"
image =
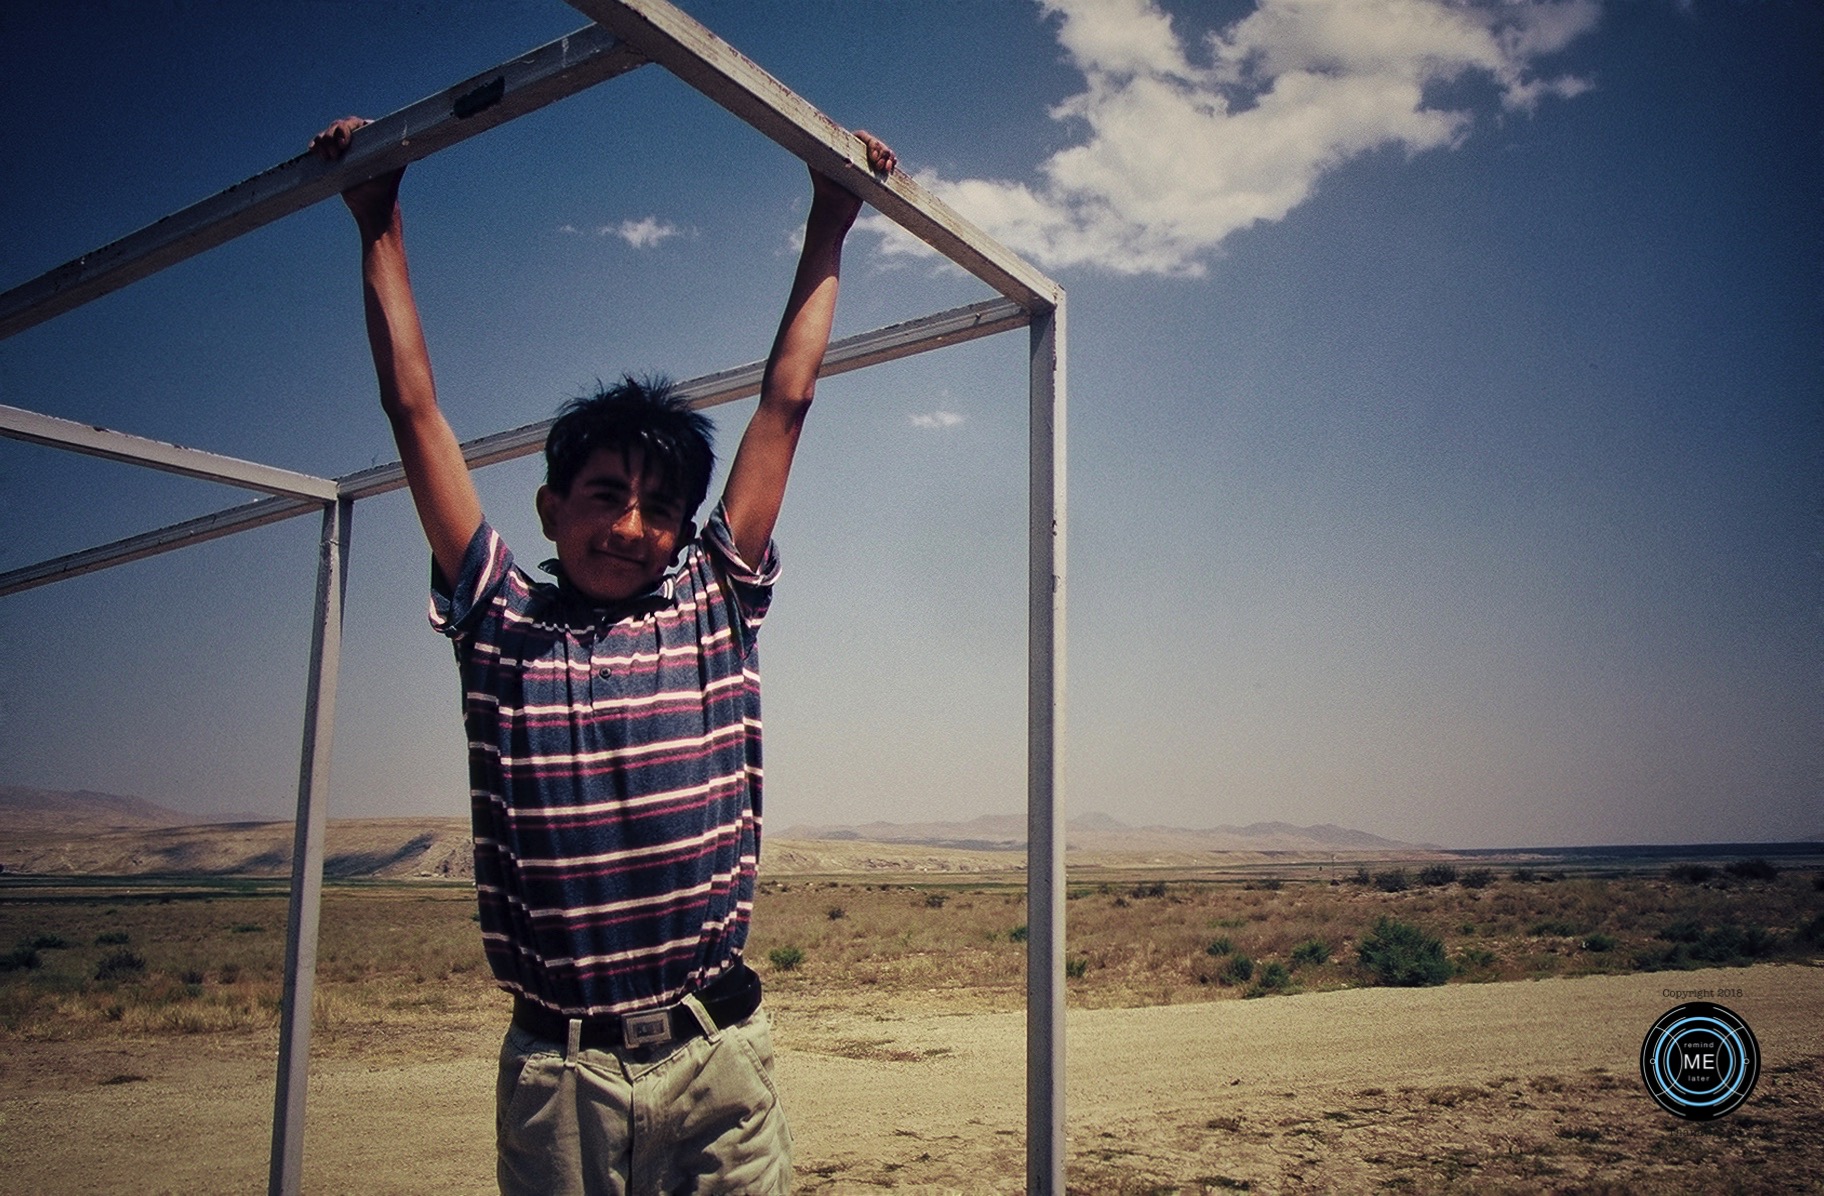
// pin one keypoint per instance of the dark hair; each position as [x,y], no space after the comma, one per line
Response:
[640,415]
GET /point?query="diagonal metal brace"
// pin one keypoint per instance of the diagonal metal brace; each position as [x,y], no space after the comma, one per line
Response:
[529,82]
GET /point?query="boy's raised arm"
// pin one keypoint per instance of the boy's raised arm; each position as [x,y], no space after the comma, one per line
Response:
[448,507]
[756,480]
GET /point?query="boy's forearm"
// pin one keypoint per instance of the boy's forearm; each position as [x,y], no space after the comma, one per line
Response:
[395,335]
[438,477]
[810,312]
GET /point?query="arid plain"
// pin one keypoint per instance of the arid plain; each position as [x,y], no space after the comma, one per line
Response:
[894,981]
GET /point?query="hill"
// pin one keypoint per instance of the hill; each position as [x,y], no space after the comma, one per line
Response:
[49,832]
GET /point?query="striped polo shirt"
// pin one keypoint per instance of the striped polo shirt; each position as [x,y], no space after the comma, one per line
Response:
[614,772]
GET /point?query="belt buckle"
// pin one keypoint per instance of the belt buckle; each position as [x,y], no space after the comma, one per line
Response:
[646,1029]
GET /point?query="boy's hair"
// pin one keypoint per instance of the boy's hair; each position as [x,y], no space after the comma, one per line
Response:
[640,415]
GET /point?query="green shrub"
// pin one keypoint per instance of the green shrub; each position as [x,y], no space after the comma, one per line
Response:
[1813,931]
[1691,874]
[1154,889]
[836,913]
[1525,876]
[1477,878]
[24,957]
[936,900]
[1392,881]
[120,965]
[1311,951]
[1400,954]
[785,958]
[1552,928]
[1238,970]
[1075,968]
[1599,942]
[1017,934]
[1219,947]
[1472,959]
[1755,869]
[47,942]
[1361,876]
[1435,875]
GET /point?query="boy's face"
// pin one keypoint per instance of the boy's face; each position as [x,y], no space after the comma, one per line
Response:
[618,529]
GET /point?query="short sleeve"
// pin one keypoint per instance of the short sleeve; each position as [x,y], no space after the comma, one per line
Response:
[751,586]
[486,565]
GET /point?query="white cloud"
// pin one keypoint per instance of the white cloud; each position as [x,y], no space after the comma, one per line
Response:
[643,233]
[1182,149]
[937,419]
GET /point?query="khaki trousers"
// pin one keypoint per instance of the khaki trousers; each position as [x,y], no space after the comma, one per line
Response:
[700,1116]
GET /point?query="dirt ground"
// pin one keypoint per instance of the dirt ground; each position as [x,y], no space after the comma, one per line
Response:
[1518,1087]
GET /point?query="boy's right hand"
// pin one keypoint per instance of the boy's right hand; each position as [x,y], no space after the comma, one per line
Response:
[373,202]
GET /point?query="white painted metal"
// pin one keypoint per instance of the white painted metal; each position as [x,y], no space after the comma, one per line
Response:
[529,82]
[96,441]
[647,29]
[684,47]
[1045,890]
[888,343]
[287,1160]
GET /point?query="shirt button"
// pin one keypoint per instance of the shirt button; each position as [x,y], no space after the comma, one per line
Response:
[603,674]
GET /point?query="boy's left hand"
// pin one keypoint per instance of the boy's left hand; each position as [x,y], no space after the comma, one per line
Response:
[831,198]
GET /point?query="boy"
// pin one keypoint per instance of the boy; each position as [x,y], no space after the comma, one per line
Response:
[614,741]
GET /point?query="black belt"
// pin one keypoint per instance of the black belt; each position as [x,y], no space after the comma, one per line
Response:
[732,997]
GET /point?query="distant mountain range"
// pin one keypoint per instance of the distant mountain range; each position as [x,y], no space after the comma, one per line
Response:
[45,831]
[1098,832]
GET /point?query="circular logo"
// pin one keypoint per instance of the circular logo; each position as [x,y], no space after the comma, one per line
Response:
[1700,1060]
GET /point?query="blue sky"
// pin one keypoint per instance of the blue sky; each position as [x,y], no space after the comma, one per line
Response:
[1447,434]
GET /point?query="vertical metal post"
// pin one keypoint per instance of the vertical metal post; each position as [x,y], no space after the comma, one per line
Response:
[307,854]
[1044,761]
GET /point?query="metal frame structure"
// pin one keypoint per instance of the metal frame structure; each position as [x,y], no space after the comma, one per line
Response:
[627,34]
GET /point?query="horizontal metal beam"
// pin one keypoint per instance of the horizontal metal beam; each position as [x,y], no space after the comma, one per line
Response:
[684,47]
[529,82]
[18,424]
[888,343]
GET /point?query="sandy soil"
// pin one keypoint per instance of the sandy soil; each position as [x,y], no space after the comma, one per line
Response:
[1511,1087]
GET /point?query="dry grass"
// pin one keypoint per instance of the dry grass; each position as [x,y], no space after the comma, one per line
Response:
[393,953]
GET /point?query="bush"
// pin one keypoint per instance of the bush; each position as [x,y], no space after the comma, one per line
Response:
[1311,951]
[1552,928]
[1239,970]
[785,958]
[1392,881]
[836,913]
[120,965]
[1525,876]
[1436,875]
[1692,945]
[1219,947]
[1273,978]
[1400,954]
[1017,934]
[1755,869]
[1599,942]
[47,942]
[112,938]
[1691,874]
[1477,878]
[1813,931]
[1155,889]
[936,900]
[1074,968]
[1472,959]
[1361,877]
[24,957]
